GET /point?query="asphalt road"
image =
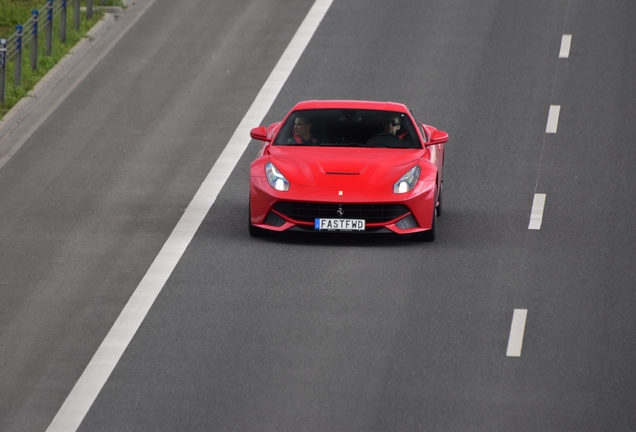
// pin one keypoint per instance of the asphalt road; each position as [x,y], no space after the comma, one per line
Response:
[332,333]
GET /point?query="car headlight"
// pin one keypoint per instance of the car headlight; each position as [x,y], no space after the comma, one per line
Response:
[275,178]
[407,181]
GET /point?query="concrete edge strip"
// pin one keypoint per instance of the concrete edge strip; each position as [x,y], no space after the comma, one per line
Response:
[97,372]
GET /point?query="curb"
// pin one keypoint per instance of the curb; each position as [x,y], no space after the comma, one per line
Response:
[53,76]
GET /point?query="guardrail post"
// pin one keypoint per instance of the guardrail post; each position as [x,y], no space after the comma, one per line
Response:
[76,13]
[17,70]
[89,9]
[63,22]
[49,27]
[34,40]
[3,57]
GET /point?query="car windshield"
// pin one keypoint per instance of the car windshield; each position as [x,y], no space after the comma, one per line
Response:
[348,128]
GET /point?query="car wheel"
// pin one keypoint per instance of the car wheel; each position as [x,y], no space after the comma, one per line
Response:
[439,206]
[254,231]
[428,236]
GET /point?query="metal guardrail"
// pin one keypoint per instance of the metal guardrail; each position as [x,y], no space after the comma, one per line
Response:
[29,32]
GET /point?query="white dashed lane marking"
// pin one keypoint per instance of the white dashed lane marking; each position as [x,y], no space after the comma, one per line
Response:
[536,215]
[566,43]
[517,329]
[553,119]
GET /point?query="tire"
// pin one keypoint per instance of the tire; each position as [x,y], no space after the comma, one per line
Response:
[439,206]
[254,231]
[428,236]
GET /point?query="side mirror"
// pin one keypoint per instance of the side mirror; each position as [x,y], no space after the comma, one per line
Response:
[260,133]
[438,137]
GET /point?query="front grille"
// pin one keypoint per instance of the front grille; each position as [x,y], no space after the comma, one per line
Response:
[371,213]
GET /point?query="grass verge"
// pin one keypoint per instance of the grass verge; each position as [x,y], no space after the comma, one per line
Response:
[14,12]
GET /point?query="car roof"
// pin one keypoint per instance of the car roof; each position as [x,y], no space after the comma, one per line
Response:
[351,104]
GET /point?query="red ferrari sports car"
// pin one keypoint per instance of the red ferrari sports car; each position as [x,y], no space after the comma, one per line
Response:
[347,166]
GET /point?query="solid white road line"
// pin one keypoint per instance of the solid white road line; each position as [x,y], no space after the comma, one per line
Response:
[517,329]
[536,215]
[566,42]
[553,119]
[110,351]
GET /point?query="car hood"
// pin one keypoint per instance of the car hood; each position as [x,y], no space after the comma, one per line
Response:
[339,166]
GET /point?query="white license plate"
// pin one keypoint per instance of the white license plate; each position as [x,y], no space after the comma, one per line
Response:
[339,224]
